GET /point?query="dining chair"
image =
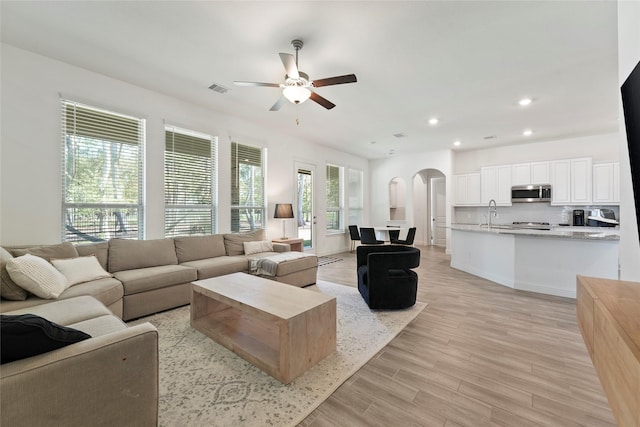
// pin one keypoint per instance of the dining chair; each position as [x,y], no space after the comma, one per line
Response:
[368,236]
[394,235]
[355,236]
[411,235]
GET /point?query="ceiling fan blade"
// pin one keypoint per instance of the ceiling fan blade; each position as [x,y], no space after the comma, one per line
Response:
[322,101]
[278,104]
[256,84]
[289,62]
[338,80]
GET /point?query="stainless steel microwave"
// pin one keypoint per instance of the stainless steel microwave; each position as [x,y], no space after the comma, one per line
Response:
[531,193]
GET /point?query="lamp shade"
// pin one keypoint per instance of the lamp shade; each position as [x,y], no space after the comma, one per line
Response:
[296,94]
[283,210]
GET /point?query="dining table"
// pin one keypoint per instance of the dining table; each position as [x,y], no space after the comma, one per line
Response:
[382,232]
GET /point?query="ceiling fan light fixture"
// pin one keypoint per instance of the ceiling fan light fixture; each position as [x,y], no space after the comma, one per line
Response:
[296,94]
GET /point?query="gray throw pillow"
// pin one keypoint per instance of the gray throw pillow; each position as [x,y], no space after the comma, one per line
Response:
[8,289]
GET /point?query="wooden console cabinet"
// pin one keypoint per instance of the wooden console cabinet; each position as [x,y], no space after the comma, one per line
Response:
[609,320]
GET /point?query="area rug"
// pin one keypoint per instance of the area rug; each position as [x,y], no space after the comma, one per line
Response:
[204,384]
[324,260]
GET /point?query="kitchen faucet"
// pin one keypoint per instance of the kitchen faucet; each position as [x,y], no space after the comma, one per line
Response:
[493,211]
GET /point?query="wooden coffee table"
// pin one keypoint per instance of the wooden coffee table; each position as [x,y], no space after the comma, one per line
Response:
[282,329]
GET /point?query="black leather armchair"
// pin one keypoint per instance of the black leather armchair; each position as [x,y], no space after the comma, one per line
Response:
[385,278]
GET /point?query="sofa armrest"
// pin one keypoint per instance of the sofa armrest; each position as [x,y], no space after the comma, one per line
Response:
[281,247]
[110,380]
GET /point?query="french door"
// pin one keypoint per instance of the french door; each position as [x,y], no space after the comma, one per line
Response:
[305,214]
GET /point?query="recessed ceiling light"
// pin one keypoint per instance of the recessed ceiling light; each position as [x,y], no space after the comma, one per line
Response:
[433,121]
[527,132]
[457,143]
[525,101]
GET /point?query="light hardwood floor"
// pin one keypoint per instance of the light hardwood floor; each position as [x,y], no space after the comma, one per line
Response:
[480,354]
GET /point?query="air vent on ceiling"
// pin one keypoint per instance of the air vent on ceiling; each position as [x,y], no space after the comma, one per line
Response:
[218,88]
[490,137]
[400,135]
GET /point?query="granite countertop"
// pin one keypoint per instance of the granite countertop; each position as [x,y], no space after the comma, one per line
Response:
[584,233]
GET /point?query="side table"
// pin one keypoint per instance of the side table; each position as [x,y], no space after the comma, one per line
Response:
[296,244]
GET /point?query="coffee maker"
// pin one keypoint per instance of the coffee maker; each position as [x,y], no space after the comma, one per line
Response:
[578,217]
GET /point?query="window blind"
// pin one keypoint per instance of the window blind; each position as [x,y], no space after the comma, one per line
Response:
[247,188]
[334,199]
[356,196]
[189,182]
[102,172]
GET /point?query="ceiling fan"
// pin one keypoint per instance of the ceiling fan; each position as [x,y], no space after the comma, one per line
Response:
[297,87]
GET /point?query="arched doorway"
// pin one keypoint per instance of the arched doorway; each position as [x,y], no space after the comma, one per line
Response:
[429,207]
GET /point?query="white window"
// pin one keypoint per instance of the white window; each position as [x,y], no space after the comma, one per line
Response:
[334,198]
[189,182]
[356,196]
[247,188]
[103,155]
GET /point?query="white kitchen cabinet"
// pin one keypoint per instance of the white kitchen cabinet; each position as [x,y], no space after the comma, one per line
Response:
[560,176]
[530,173]
[606,183]
[581,181]
[540,173]
[467,189]
[571,181]
[496,184]
[521,174]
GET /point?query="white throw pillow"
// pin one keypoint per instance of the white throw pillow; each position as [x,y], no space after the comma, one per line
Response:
[81,269]
[251,248]
[36,275]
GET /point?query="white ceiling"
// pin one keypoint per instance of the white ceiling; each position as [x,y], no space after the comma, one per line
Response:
[467,63]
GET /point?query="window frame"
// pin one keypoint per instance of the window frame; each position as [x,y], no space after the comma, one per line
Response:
[83,129]
[259,209]
[339,209]
[355,196]
[170,160]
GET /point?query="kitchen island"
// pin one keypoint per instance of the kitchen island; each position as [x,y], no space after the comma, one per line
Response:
[543,261]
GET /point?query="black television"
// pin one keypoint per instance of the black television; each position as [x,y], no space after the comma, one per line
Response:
[631,105]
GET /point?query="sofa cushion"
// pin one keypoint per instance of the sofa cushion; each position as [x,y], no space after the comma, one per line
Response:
[219,266]
[146,279]
[8,288]
[303,261]
[257,247]
[61,250]
[127,254]
[233,243]
[37,276]
[66,312]
[101,325]
[26,335]
[100,250]
[190,248]
[81,269]
[107,290]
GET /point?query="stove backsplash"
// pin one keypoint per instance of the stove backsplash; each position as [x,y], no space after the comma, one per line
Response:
[525,212]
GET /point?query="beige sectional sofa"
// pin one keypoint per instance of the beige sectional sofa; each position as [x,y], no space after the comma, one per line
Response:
[155,275]
[112,377]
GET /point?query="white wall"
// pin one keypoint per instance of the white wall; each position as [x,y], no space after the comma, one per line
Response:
[30,154]
[600,148]
[406,167]
[628,57]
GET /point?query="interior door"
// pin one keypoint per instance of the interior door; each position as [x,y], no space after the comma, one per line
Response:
[438,212]
[305,213]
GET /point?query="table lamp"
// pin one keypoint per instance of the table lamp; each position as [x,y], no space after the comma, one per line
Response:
[283,211]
